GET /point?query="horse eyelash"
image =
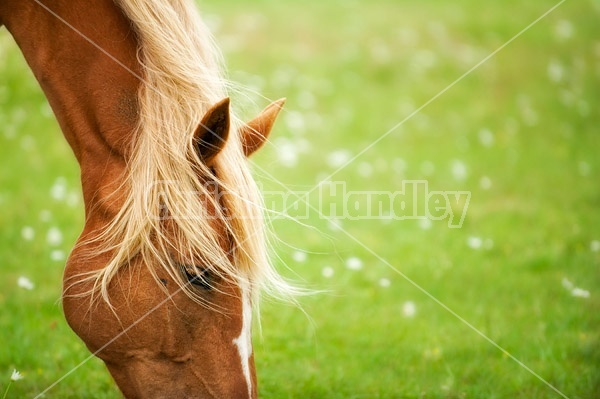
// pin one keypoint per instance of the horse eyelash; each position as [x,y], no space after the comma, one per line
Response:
[203,279]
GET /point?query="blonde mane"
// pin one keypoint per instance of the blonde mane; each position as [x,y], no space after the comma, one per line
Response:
[182,79]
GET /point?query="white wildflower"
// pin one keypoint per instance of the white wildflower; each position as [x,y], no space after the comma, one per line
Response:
[556,71]
[564,29]
[28,233]
[399,165]
[45,215]
[287,152]
[486,137]
[474,242]
[354,263]
[73,199]
[365,169]
[16,376]
[299,256]
[567,284]
[459,170]
[327,272]
[385,282]
[409,309]
[485,183]
[580,292]
[339,158]
[427,168]
[59,189]
[306,99]
[575,291]
[57,255]
[25,283]
[54,236]
[295,121]
[425,224]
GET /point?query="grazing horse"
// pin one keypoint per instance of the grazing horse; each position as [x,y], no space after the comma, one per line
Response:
[161,281]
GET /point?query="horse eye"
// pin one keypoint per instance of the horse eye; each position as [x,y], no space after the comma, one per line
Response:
[200,278]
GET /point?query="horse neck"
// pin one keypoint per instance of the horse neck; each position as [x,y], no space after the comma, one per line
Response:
[88,73]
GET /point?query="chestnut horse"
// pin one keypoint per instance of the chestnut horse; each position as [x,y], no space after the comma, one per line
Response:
[161,281]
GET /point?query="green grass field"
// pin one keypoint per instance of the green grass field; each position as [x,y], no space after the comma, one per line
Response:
[410,308]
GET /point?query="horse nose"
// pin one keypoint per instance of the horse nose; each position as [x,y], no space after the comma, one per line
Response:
[149,378]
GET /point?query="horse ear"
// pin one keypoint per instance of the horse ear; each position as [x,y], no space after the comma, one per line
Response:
[255,133]
[211,135]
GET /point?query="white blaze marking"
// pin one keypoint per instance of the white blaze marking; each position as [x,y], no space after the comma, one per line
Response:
[244,341]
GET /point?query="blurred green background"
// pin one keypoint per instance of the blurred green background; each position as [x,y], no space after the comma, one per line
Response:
[404,300]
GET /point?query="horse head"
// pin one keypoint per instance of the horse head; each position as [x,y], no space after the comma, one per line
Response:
[187,332]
